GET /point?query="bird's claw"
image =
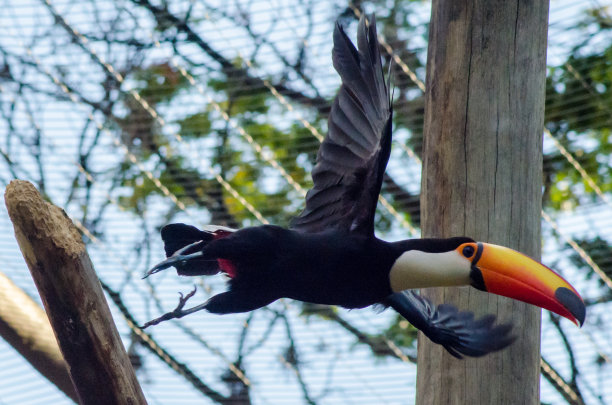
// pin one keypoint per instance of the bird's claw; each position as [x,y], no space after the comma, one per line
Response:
[176,312]
[184,298]
[177,257]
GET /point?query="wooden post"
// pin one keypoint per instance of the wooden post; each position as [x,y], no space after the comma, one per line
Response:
[482,177]
[52,247]
[25,326]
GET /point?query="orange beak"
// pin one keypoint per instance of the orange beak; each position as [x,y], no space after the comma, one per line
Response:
[503,271]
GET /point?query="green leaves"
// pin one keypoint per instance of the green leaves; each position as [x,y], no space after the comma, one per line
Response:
[159,82]
[600,251]
[196,125]
[402,333]
[239,129]
[578,115]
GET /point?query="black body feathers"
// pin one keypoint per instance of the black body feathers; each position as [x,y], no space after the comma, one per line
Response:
[331,255]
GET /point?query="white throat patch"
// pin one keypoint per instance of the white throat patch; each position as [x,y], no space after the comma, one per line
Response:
[417,269]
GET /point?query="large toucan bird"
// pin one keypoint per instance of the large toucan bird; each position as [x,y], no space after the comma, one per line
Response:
[330,254]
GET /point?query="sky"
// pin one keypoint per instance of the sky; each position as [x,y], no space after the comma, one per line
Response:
[331,360]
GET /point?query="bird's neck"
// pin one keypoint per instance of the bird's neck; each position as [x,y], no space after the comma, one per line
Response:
[428,263]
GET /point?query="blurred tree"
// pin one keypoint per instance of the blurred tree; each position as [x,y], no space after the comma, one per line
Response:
[229,115]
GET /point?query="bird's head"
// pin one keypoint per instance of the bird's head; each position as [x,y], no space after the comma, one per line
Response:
[491,268]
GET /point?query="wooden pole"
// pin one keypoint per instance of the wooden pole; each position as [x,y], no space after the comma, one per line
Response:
[482,177]
[25,326]
[52,247]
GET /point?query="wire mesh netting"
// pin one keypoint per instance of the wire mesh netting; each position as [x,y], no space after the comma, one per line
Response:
[133,114]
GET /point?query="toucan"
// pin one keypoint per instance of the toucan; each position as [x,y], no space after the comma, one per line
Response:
[330,253]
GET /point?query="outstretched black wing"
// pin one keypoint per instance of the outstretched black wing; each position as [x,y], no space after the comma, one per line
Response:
[458,332]
[352,159]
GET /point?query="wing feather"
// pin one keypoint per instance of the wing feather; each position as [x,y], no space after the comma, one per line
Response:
[353,156]
[459,332]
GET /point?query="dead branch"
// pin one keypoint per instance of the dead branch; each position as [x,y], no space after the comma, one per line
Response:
[62,270]
[25,326]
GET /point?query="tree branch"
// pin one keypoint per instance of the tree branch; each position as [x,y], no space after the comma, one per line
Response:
[379,345]
[291,359]
[66,280]
[555,379]
[25,326]
[152,345]
[570,352]
[164,18]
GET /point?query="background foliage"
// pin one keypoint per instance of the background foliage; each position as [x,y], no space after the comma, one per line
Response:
[133,114]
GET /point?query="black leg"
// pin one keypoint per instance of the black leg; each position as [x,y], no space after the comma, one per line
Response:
[235,301]
[229,302]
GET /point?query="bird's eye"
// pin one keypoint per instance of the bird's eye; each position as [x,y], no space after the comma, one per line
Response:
[468,251]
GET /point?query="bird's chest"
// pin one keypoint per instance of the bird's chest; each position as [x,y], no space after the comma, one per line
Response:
[350,275]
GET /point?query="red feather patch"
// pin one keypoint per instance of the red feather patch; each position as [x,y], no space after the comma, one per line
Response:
[225,265]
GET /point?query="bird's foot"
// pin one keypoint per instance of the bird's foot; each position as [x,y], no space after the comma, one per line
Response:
[178,312]
[177,257]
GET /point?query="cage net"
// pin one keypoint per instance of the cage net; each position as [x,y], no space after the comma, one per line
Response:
[133,114]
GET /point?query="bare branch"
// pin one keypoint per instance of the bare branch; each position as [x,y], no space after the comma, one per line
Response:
[152,345]
[570,352]
[379,345]
[562,387]
[291,360]
[164,18]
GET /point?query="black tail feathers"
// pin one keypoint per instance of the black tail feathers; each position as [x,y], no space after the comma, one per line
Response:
[178,236]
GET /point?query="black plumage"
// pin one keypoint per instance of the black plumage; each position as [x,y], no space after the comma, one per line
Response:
[330,255]
[352,159]
[458,332]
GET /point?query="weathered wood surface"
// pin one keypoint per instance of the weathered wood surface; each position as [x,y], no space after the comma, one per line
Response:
[25,326]
[56,256]
[482,177]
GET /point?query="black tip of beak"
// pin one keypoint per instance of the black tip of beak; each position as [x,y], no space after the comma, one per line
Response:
[572,303]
